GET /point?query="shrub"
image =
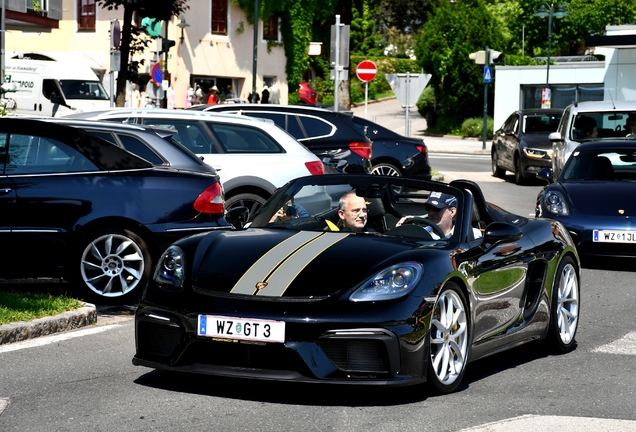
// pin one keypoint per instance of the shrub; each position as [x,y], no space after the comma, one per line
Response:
[473,127]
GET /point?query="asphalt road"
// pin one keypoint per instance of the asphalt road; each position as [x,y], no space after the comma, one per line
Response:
[84,379]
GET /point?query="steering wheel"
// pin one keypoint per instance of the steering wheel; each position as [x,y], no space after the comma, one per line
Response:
[420,221]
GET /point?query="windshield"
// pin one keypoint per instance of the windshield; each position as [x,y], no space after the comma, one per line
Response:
[607,164]
[540,124]
[80,89]
[601,125]
[388,207]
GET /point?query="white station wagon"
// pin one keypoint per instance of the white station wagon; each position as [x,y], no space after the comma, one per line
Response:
[253,157]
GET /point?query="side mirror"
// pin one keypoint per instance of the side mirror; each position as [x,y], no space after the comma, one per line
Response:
[500,232]
[545,174]
[555,136]
[237,216]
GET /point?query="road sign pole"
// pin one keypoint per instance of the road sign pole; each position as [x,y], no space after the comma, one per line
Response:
[366,98]
[337,68]
[408,108]
[485,126]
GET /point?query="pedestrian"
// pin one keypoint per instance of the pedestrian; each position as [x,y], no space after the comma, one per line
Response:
[254,97]
[265,95]
[274,94]
[213,95]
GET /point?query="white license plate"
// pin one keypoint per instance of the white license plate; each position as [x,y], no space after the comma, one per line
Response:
[613,236]
[241,328]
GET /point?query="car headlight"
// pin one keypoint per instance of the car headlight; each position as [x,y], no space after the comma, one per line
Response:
[391,283]
[537,153]
[170,270]
[554,202]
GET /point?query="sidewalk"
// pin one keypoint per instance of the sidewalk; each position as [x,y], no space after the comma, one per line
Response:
[390,114]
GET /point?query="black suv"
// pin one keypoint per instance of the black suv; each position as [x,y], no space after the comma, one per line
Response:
[331,135]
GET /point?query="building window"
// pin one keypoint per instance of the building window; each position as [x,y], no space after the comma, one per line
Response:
[219,17]
[270,29]
[86,14]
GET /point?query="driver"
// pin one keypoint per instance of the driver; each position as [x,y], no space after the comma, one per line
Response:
[441,208]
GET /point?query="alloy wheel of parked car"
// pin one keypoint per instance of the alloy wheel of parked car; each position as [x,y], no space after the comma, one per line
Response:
[115,264]
[496,171]
[252,201]
[449,339]
[564,316]
[385,169]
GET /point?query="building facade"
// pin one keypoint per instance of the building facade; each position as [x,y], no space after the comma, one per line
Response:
[214,46]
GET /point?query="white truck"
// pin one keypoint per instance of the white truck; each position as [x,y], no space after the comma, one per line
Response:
[51,88]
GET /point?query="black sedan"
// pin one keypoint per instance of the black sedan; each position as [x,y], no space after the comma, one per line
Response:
[522,145]
[75,206]
[593,198]
[323,284]
[395,154]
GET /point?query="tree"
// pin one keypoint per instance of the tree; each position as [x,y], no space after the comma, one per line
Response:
[452,32]
[160,9]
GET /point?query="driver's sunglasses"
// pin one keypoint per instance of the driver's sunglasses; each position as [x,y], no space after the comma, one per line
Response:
[435,209]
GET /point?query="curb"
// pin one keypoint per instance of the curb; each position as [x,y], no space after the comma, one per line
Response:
[70,320]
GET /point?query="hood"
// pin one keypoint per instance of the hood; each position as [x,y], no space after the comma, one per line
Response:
[539,141]
[283,263]
[602,198]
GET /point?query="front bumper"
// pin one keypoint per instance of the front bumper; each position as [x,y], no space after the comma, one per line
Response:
[328,352]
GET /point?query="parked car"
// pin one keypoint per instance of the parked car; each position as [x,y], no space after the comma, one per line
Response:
[332,136]
[521,145]
[398,306]
[593,198]
[157,145]
[307,94]
[75,206]
[608,117]
[395,154]
[253,157]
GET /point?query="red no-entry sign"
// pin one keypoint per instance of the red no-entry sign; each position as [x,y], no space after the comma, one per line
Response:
[366,70]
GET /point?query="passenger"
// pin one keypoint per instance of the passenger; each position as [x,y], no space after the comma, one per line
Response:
[352,213]
[442,209]
[630,125]
[586,125]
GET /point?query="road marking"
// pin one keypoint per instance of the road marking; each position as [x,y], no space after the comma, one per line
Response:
[457,156]
[531,423]
[4,402]
[45,340]
[625,345]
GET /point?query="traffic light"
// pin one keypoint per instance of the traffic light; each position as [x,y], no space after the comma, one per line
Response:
[496,57]
[479,57]
[166,44]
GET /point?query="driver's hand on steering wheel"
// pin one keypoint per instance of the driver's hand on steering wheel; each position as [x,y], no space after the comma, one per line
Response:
[403,219]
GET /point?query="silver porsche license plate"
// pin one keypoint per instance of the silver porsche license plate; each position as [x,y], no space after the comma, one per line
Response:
[241,328]
[614,236]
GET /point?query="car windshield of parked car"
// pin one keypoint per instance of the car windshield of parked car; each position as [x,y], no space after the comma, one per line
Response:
[427,212]
[607,164]
[540,124]
[593,126]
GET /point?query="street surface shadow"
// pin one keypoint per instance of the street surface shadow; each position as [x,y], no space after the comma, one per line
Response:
[613,264]
[331,394]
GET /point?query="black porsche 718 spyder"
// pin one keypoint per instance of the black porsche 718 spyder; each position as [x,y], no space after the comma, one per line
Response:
[294,294]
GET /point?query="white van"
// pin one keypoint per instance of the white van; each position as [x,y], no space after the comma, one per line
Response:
[52,88]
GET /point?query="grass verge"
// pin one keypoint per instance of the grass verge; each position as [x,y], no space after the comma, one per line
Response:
[25,306]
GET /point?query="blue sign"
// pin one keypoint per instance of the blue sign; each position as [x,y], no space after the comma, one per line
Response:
[487,74]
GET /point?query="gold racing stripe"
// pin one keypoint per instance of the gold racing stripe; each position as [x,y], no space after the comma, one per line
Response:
[284,274]
[265,265]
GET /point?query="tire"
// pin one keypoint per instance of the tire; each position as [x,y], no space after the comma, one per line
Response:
[252,201]
[113,266]
[449,337]
[496,171]
[519,177]
[386,169]
[564,312]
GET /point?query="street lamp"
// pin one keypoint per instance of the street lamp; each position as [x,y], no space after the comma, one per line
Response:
[560,10]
